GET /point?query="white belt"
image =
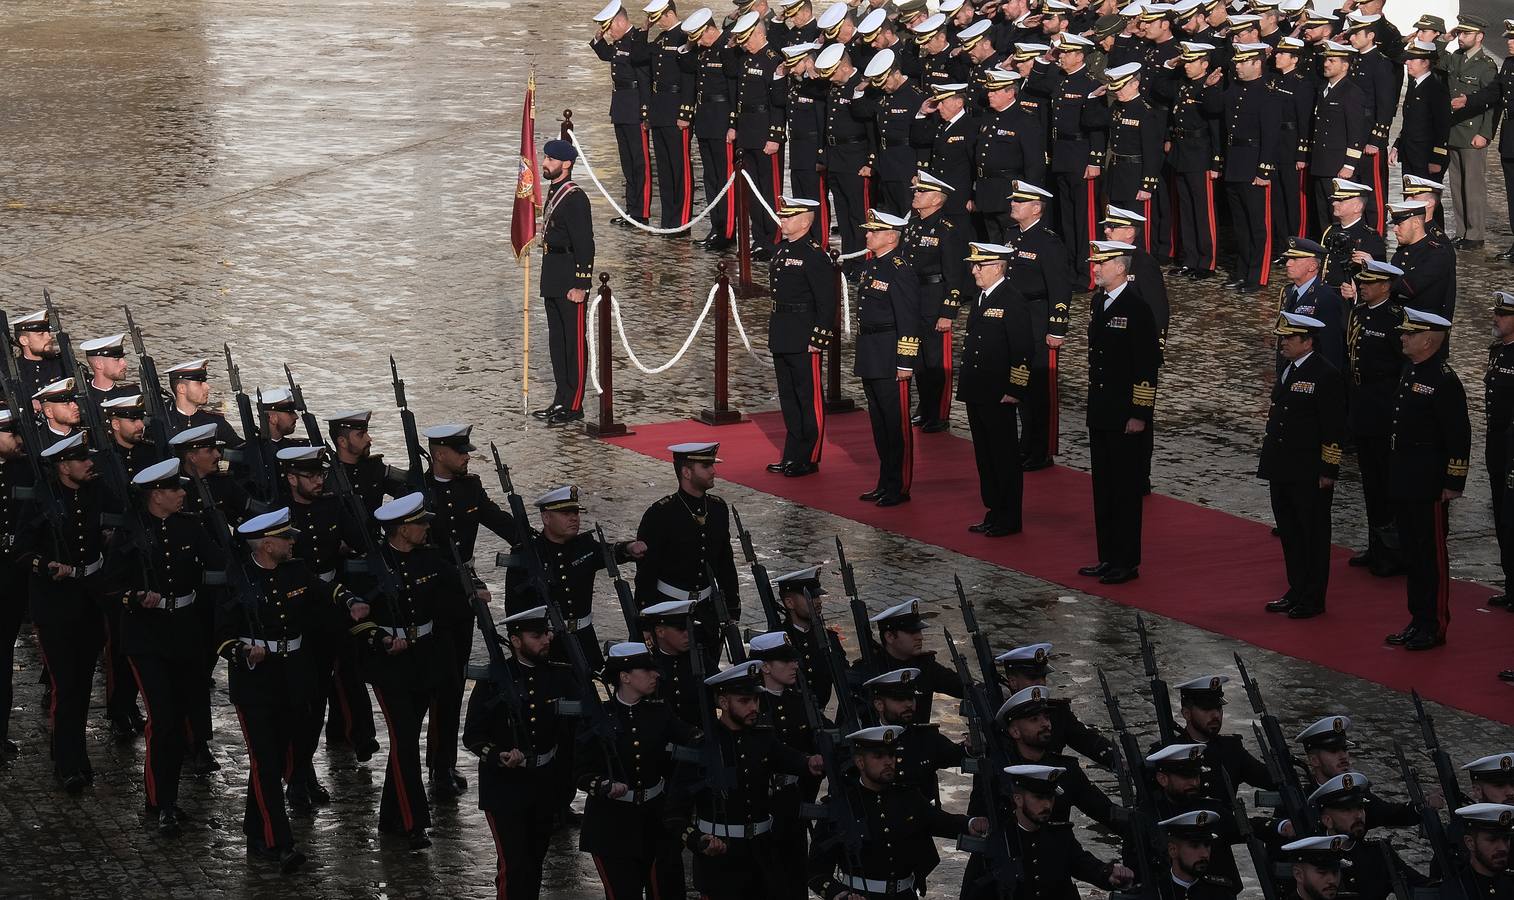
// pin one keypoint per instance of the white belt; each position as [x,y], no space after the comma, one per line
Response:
[178,602]
[876,886]
[721,830]
[674,593]
[408,632]
[327,577]
[285,646]
[576,625]
[642,796]
[92,568]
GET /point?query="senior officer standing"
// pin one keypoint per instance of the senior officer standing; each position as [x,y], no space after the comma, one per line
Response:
[625,48]
[888,345]
[567,272]
[799,329]
[757,127]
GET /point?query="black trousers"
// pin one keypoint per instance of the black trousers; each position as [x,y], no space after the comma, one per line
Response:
[522,833]
[268,731]
[1372,459]
[447,704]
[716,157]
[851,194]
[675,173]
[300,768]
[1319,203]
[1159,214]
[1251,217]
[1290,205]
[767,171]
[1115,458]
[893,196]
[893,438]
[1374,172]
[404,807]
[1507,164]
[120,686]
[995,225]
[996,449]
[1037,411]
[170,687]
[69,650]
[1495,451]
[349,719]
[633,142]
[1422,538]
[568,346]
[933,374]
[1077,217]
[746,871]
[1302,512]
[638,878]
[1196,220]
[200,728]
[12,611]
[799,397]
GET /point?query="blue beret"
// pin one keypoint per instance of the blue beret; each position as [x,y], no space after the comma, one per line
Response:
[561,150]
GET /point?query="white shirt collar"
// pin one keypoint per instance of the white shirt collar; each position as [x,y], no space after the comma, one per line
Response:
[989,290]
[1302,289]
[1300,361]
[1110,297]
[960,113]
[1420,80]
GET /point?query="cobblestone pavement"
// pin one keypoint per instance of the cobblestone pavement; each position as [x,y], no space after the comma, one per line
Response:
[330,183]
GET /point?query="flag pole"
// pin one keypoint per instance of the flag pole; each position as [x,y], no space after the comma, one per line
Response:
[525,321]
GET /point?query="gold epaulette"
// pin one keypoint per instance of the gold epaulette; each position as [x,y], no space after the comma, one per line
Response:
[1330,454]
[1143,394]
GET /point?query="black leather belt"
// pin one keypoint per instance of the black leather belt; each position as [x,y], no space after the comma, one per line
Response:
[791,307]
[937,278]
[553,252]
[877,329]
[624,85]
[759,108]
[1246,142]
[1132,157]
[995,173]
[714,98]
[837,142]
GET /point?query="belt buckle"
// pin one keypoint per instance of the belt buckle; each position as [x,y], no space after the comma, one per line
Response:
[572,624]
[172,604]
[283,646]
[410,632]
[638,796]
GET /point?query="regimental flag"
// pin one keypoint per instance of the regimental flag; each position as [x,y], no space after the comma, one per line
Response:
[528,181]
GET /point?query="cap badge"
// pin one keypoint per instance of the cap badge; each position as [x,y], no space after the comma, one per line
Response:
[1506,762]
[1506,818]
[888,734]
[1347,782]
[1201,819]
[1040,654]
[1339,724]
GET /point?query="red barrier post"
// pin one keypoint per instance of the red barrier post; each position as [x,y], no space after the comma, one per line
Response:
[834,402]
[722,413]
[606,426]
[743,231]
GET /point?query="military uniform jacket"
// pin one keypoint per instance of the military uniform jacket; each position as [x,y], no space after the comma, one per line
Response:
[571,568]
[567,235]
[430,592]
[1152,285]
[1052,858]
[1496,98]
[1340,129]
[921,752]
[804,297]
[324,528]
[82,544]
[672,89]
[178,422]
[1425,136]
[936,248]
[1377,360]
[997,348]
[1296,101]
[1134,146]
[806,122]
[898,824]
[1303,440]
[894,158]
[760,97]
[1252,126]
[1496,887]
[676,687]
[1040,269]
[1322,301]
[1432,436]
[630,60]
[1429,279]
[684,535]
[14,473]
[952,150]
[643,733]
[488,732]
[291,603]
[230,498]
[35,374]
[945,68]
[1196,129]
[816,670]
[461,505]
[1367,876]
[136,457]
[178,551]
[372,480]
[1498,391]
[1469,73]
[1123,356]
[1076,792]
[888,317]
[714,109]
[751,757]
[847,142]
[1011,144]
[1077,123]
[1069,732]
[1340,242]
[1374,74]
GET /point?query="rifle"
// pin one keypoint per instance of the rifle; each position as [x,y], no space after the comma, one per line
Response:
[759,575]
[718,777]
[1254,845]
[65,344]
[992,686]
[989,760]
[312,427]
[417,474]
[848,717]
[236,573]
[849,828]
[41,491]
[734,647]
[499,673]
[1135,792]
[622,588]
[256,453]
[1274,748]
[153,394]
[1452,887]
[1161,698]
[859,612]
[1444,770]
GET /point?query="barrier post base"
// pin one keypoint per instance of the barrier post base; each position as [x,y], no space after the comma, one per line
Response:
[841,405]
[720,416]
[608,430]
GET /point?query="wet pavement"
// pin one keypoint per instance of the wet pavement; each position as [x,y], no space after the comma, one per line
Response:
[327,184]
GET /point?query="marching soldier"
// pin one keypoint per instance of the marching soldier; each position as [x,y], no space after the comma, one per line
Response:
[1429,264]
[39,362]
[1177,776]
[352,446]
[1426,130]
[936,246]
[1123,355]
[757,125]
[922,750]
[888,347]
[799,331]
[59,403]
[1300,461]
[1201,703]
[671,91]
[190,386]
[1342,804]
[711,56]
[276,406]
[199,449]
[1492,778]
[1039,268]
[782,706]
[1296,89]
[106,359]
[1077,143]
[1376,360]
[523,745]
[668,626]
[1498,403]
[1489,827]
[1190,847]
[625,48]
[893,99]
[1194,154]
[567,273]
[901,646]
[1496,96]
[996,358]
[1028,666]
[1025,719]
[1011,146]
[1340,130]
[1327,753]
[1252,119]
[14,473]
[1432,439]
[127,428]
[799,593]
[806,127]
[846,147]
[1318,864]
[1350,234]
[1133,155]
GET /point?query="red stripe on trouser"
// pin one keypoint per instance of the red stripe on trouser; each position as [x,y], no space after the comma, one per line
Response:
[1377,194]
[1091,218]
[819,407]
[1266,232]
[688,179]
[582,310]
[1053,411]
[1442,572]
[1214,233]
[604,877]
[730,204]
[401,793]
[150,782]
[499,861]
[825,214]
[1147,229]
[257,782]
[777,190]
[656,889]
[1303,202]
[946,377]
[52,681]
[646,172]
[907,472]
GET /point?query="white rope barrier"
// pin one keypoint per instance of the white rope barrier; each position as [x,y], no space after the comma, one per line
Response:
[589,170]
[757,193]
[625,342]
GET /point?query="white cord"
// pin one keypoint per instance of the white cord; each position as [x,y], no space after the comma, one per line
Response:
[588,170]
[757,193]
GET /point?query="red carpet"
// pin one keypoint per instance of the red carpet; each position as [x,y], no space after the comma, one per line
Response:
[1200,566]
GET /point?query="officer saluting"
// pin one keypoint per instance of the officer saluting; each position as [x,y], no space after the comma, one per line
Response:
[888,346]
[625,48]
[799,330]
[567,273]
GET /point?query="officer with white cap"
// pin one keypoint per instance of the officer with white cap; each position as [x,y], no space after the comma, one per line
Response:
[199,449]
[945,126]
[892,101]
[887,352]
[624,47]
[39,361]
[846,148]
[1201,705]
[922,749]
[799,593]
[1429,263]
[59,405]
[106,359]
[1342,802]
[1341,132]
[669,104]
[189,385]
[936,245]
[901,645]
[1375,357]
[668,626]
[757,123]
[352,446]
[276,406]
[1489,827]
[1025,718]
[1327,753]
[783,709]
[1318,865]
[1190,840]
[1029,665]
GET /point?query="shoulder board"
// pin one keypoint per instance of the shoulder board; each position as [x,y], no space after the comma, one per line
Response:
[947,224]
[1219,880]
[560,666]
[897,260]
[715,498]
[663,500]
[1445,369]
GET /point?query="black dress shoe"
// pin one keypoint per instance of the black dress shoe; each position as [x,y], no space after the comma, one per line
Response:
[442,787]
[1424,640]
[318,793]
[298,796]
[1507,254]
[1402,637]
[1361,560]
[1035,463]
[121,727]
[201,762]
[419,839]
[893,499]
[917,420]
[545,412]
[779,466]
[458,781]
[1305,612]
[564,416]
[74,784]
[620,222]
[720,245]
[1247,288]
[871,496]
[1498,600]
[1000,531]
[1465,244]
[1200,275]
[1235,282]
[1094,571]
[168,823]
[1506,675]
[800,469]
[290,860]
[260,852]
[980,527]
[1283,605]
[1179,270]
[364,750]
[935,427]
[1386,569]
[1119,576]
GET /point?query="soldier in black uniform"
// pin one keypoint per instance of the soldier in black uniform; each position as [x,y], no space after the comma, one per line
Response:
[672,91]
[1190,847]
[39,362]
[1078,126]
[1133,153]
[1175,773]
[1327,753]
[901,646]
[799,330]
[59,403]
[887,349]
[154,571]
[782,709]
[946,135]
[1375,360]
[127,416]
[405,654]
[806,130]
[1300,461]
[897,824]
[922,750]
[626,49]
[63,561]
[940,62]
[1028,666]
[1489,828]
[524,748]
[1349,234]
[893,100]
[1425,134]
[799,594]
[271,681]
[730,833]
[276,406]
[1295,89]
[1123,356]
[1342,803]
[1340,130]
[626,787]
[936,246]
[845,148]
[1499,95]
[1379,78]
[996,357]
[372,478]
[1429,262]
[1498,451]
[1308,295]
[189,383]
[1011,147]
[106,359]
[567,272]
[710,111]
[1318,865]
[1427,469]
[15,472]
[757,123]
[1252,119]
[1039,268]
[1195,140]
[668,626]
[1201,704]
